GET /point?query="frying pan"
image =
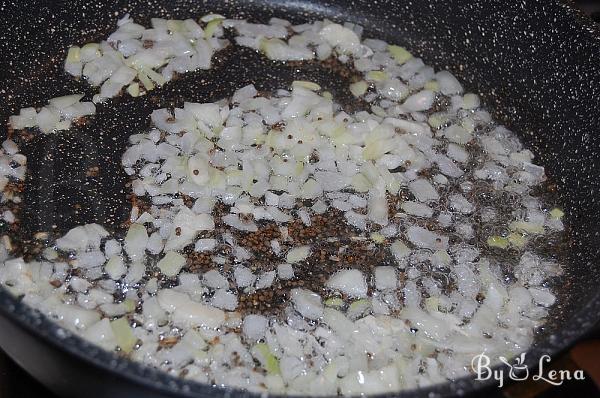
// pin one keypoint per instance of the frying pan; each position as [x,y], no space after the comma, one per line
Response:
[535,63]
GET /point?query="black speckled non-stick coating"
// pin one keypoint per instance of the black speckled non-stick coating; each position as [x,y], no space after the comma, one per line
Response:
[535,63]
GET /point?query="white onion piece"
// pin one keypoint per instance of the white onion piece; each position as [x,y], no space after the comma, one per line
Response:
[60,103]
[205,245]
[265,280]
[298,254]
[279,50]
[461,204]
[417,209]
[254,326]
[115,267]
[171,263]
[186,225]
[136,241]
[188,313]
[341,38]
[424,238]
[420,101]
[423,190]
[351,282]
[542,297]
[458,134]
[215,280]
[385,278]
[285,271]
[377,208]
[224,299]
[307,303]
[235,222]
[448,83]
[101,334]
[244,277]
[249,29]
[83,237]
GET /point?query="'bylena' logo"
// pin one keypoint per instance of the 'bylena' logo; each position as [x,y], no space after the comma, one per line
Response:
[519,371]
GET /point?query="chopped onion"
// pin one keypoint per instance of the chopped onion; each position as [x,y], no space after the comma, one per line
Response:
[274,159]
[307,303]
[254,326]
[188,313]
[298,254]
[171,263]
[351,282]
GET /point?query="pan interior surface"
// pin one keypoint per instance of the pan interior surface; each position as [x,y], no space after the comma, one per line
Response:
[489,45]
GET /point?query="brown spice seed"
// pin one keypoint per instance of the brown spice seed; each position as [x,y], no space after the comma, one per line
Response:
[56,283]
[168,341]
